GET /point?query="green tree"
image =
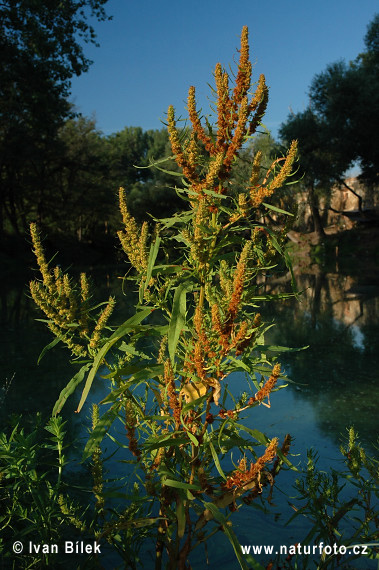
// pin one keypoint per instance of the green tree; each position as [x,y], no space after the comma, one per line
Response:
[346,97]
[40,52]
[80,185]
[320,165]
[149,188]
[338,128]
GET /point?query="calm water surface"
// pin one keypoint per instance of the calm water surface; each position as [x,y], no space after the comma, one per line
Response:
[335,382]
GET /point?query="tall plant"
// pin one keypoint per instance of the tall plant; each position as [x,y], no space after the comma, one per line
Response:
[171,365]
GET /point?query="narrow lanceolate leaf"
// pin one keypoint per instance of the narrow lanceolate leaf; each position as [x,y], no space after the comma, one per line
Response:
[70,389]
[48,347]
[221,518]
[216,460]
[181,517]
[275,348]
[146,373]
[101,429]
[116,336]
[180,485]
[293,279]
[165,441]
[276,209]
[178,318]
[154,248]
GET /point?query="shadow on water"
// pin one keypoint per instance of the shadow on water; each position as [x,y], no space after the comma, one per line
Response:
[28,387]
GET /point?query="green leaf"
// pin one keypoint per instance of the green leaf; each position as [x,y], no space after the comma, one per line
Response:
[167,269]
[256,434]
[275,209]
[170,172]
[70,388]
[165,441]
[154,248]
[293,279]
[275,348]
[100,430]
[182,218]
[216,460]
[226,527]
[48,347]
[129,349]
[144,373]
[181,517]
[193,439]
[154,163]
[178,317]
[125,371]
[116,336]
[180,485]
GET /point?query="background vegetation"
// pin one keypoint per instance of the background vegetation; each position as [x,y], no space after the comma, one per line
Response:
[57,169]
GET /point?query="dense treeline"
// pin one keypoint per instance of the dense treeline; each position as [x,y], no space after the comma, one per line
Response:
[40,53]
[58,169]
[72,188]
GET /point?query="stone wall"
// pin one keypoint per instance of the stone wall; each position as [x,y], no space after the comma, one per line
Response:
[343,200]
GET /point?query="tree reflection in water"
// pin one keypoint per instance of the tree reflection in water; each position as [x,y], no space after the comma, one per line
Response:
[337,376]
[338,317]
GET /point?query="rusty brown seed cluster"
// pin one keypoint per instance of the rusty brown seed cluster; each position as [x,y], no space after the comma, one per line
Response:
[244,475]
[238,115]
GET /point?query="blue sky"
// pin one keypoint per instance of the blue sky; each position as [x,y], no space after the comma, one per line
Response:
[151,52]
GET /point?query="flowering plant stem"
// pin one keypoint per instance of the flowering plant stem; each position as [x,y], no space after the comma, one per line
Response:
[171,366]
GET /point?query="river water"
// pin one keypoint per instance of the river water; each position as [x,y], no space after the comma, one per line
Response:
[335,380]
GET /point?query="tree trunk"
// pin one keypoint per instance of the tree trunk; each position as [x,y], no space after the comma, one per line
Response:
[360,199]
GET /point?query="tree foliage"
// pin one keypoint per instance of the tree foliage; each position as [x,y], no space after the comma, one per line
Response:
[40,53]
[41,49]
[346,98]
[338,128]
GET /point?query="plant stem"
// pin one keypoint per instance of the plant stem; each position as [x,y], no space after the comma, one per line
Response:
[160,543]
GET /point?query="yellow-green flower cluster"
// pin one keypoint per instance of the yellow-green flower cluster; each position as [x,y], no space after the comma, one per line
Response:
[66,305]
[258,192]
[69,512]
[133,239]
[97,465]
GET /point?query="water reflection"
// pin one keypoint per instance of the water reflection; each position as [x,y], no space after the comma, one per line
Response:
[336,378]
[337,316]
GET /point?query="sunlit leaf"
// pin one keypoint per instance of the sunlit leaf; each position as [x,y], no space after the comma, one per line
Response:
[178,317]
[116,336]
[48,347]
[70,388]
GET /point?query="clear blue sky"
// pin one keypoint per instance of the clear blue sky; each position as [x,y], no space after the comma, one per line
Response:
[151,52]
